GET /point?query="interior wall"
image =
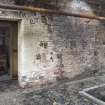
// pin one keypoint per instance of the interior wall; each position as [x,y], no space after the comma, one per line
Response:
[64,48]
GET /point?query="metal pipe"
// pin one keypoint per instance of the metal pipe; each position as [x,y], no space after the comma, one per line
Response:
[51,12]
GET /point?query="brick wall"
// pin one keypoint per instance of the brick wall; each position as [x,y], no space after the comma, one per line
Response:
[62,47]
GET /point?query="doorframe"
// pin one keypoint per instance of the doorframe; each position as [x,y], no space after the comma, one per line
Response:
[13,69]
[19,41]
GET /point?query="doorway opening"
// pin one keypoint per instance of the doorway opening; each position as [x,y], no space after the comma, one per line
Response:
[8,50]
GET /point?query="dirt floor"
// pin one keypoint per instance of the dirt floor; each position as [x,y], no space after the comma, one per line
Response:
[62,93]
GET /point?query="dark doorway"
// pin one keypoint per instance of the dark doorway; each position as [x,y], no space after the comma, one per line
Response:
[4,50]
[8,50]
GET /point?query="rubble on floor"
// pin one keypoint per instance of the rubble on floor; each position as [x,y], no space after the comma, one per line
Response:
[62,93]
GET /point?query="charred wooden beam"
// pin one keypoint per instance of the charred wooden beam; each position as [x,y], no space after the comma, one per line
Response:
[51,12]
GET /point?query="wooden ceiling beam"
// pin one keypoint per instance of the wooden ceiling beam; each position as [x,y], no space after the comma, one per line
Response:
[50,11]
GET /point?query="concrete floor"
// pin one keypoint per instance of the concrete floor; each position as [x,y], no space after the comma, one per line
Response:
[62,93]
